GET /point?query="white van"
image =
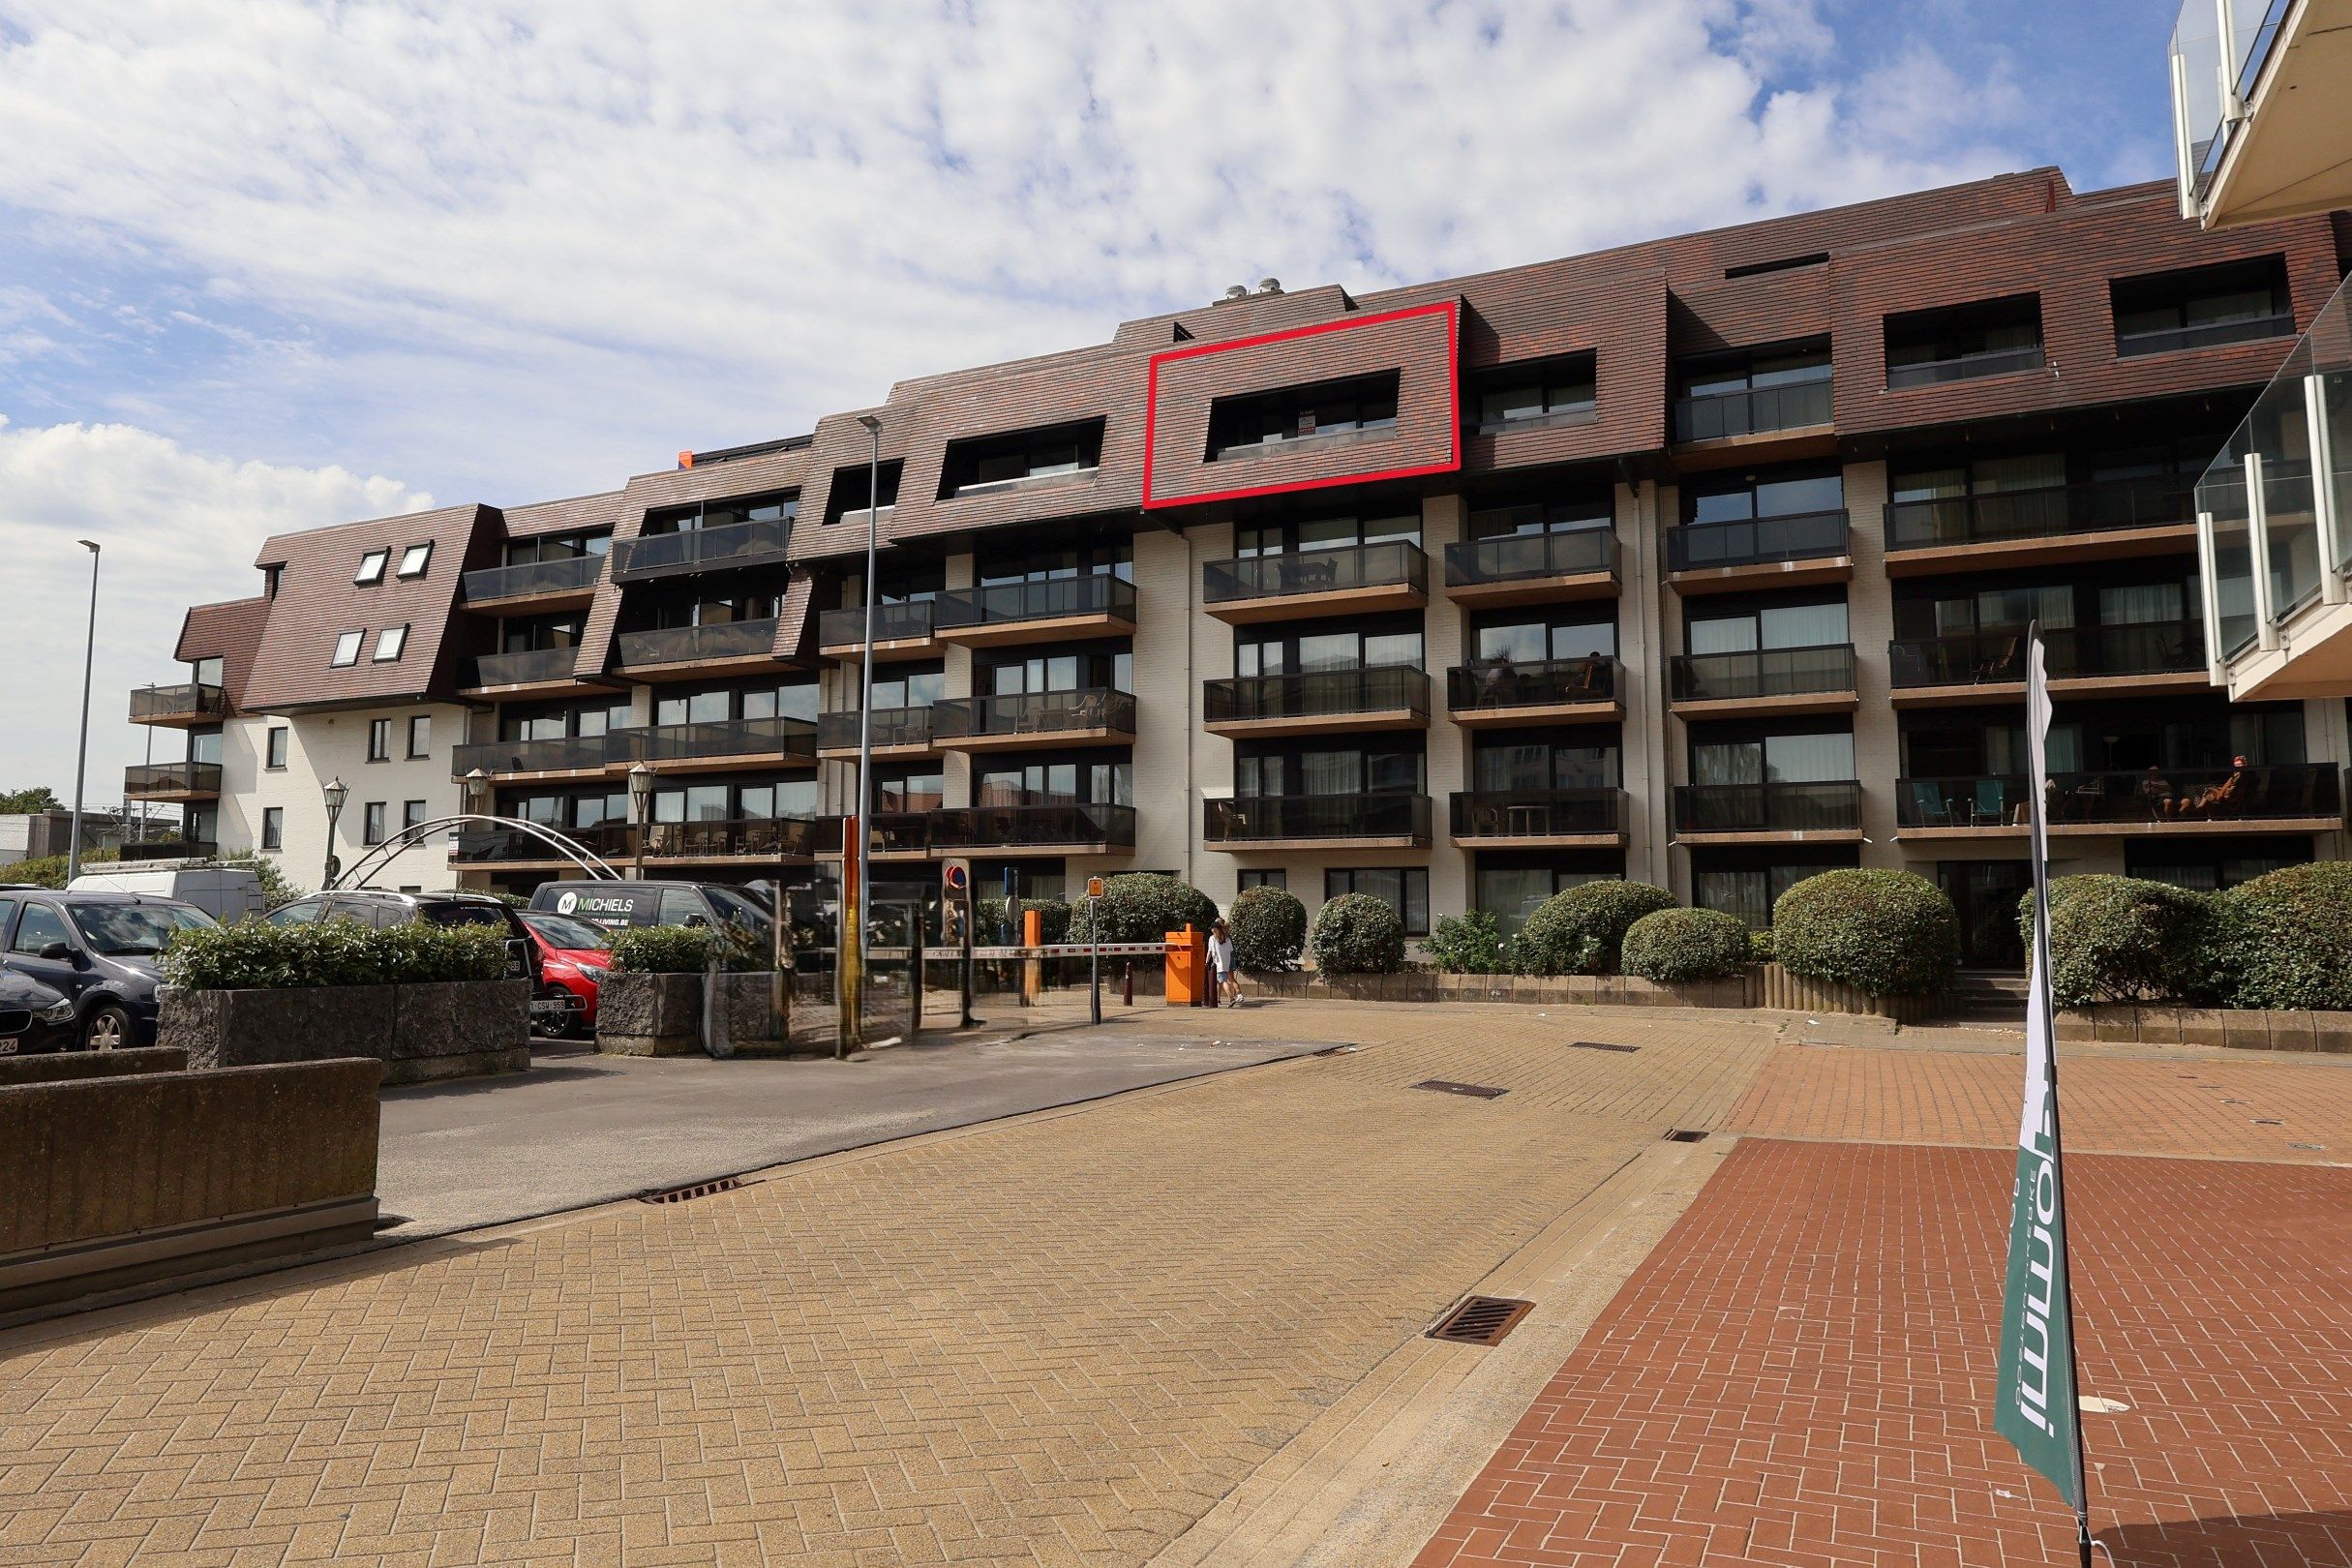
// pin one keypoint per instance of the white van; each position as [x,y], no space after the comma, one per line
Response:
[226,892]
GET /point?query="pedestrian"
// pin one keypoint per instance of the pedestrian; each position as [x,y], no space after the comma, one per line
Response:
[1224,990]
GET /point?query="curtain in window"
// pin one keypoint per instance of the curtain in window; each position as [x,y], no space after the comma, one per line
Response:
[1332,772]
[1797,759]
[2139,604]
[2039,470]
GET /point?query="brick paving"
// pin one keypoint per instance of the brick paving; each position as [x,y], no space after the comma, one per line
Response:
[1057,1340]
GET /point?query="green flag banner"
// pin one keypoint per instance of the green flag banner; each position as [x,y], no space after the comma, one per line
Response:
[2037,1406]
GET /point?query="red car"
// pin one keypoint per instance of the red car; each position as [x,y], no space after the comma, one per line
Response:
[574,956]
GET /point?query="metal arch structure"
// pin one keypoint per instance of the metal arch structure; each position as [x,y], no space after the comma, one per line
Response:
[382,854]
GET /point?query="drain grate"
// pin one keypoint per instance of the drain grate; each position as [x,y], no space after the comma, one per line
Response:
[1480,1321]
[2315,1148]
[688,1194]
[2269,1121]
[1336,1050]
[1601,1046]
[1686,1135]
[1475,1091]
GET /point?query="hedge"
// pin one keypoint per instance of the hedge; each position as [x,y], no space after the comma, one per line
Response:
[1358,934]
[1471,944]
[1269,928]
[2282,940]
[1677,945]
[1144,906]
[254,956]
[1886,933]
[2122,939]
[988,919]
[1581,930]
[666,949]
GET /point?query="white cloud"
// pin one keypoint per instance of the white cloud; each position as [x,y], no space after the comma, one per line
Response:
[178,528]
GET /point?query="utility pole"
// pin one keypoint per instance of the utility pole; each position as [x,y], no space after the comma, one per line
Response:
[82,755]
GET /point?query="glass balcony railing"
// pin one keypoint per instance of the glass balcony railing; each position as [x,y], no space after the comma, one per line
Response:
[566,576]
[1569,813]
[908,622]
[892,727]
[2211,72]
[1391,563]
[896,832]
[1830,805]
[1772,671]
[1756,541]
[1518,557]
[2152,798]
[2004,516]
[689,645]
[474,846]
[768,739]
[1318,694]
[2070,652]
[1281,818]
[1755,411]
[1033,826]
[701,550]
[186,701]
[1963,367]
[554,754]
[1500,684]
[530,667]
[153,781]
[733,838]
[2207,335]
[1059,599]
[1041,713]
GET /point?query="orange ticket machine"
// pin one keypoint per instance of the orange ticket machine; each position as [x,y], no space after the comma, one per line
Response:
[1187,981]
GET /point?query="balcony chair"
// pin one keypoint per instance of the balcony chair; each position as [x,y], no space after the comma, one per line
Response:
[1932,805]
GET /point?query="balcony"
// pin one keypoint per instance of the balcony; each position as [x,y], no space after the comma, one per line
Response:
[715,745]
[172,781]
[1349,580]
[690,653]
[1818,679]
[1324,702]
[1763,552]
[2282,797]
[169,849]
[1067,827]
[513,849]
[897,732]
[758,840]
[1365,820]
[1096,717]
[2206,335]
[2260,121]
[1499,695]
[569,755]
[1963,367]
[1762,410]
[898,835]
[1096,605]
[531,673]
[901,631]
[1538,819]
[1828,811]
[535,585]
[2082,661]
[2099,521]
[760,543]
[179,707]
[1533,568]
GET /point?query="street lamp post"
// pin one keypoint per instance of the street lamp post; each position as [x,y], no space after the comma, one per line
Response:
[82,756]
[641,808]
[865,719]
[335,793]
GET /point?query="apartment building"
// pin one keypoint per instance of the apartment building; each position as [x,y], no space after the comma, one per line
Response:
[1706,561]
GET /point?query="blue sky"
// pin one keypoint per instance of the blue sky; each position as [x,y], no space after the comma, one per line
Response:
[268,265]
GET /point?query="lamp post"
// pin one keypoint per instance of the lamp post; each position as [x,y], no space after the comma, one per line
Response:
[82,755]
[865,719]
[335,793]
[477,792]
[641,809]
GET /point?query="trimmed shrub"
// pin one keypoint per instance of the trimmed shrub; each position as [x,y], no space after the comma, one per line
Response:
[1471,944]
[2284,940]
[1676,944]
[277,888]
[988,916]
[2120,939]
[50,870]
[666,949]
[1358,934]
[1886,933]
[1581,930]
[1760,945]
[1144,906]
[254,956]
[1269,926]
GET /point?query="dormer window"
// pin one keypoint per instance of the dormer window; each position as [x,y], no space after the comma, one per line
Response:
[992,461]
[389,642]
[346,646]
[1550,390]
[415,559]
[1366,403]
[372,567]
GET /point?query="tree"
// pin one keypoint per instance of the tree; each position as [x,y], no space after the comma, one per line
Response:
[40,798]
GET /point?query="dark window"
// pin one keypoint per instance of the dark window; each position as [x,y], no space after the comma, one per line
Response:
[276,754]
[556,547]
[1783,387]
[1746,884]
[420,735]
[1538,389]
[1276,877]
[1389,642]
[412,813]
[1384,766]
[1114,559]
[2199,307]
[371,822]
[273,827]
[1991,338]
[852,484]
[781,506]
[1064,781]
[1521,518]
[908,786]
[1028,454]
[1511,887]
[1738,498]
[1546,760]
[1330,530]
[1566,631]
[1404,888]
[379,739]
[1786,264]
[1364,403]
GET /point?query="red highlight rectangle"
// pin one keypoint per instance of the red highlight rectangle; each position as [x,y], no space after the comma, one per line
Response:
[1452,463]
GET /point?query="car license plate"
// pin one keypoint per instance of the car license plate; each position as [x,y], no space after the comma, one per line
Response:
[549,1005]
[8,1044]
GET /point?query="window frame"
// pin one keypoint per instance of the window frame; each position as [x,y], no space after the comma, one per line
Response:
[379,739]
[346,648]
[1404,892]
[372,816]
[397,637]
[277,742]
[273,829]
[372,565]
[405,572]
[415,752]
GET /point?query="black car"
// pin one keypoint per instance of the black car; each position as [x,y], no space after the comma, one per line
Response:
[385,910]
[35,1017]
[99,950]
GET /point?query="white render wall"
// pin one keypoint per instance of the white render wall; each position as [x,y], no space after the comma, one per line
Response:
[321,747]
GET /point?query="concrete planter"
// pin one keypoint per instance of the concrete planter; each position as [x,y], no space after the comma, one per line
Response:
[1775,987]
[662,1014]
[419,1033]
[2168,1023]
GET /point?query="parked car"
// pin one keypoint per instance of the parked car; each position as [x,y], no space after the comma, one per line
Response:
[614,905]
[226,892]
[371,906]
[573,956]
[35,1017]
[99,950]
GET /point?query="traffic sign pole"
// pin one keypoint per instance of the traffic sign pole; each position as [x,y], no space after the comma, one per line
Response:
[1093,948]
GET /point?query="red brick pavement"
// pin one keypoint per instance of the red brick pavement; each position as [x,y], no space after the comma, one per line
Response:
[1801,1375]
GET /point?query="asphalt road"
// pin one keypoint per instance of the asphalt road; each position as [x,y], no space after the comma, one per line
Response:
[580,1128]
